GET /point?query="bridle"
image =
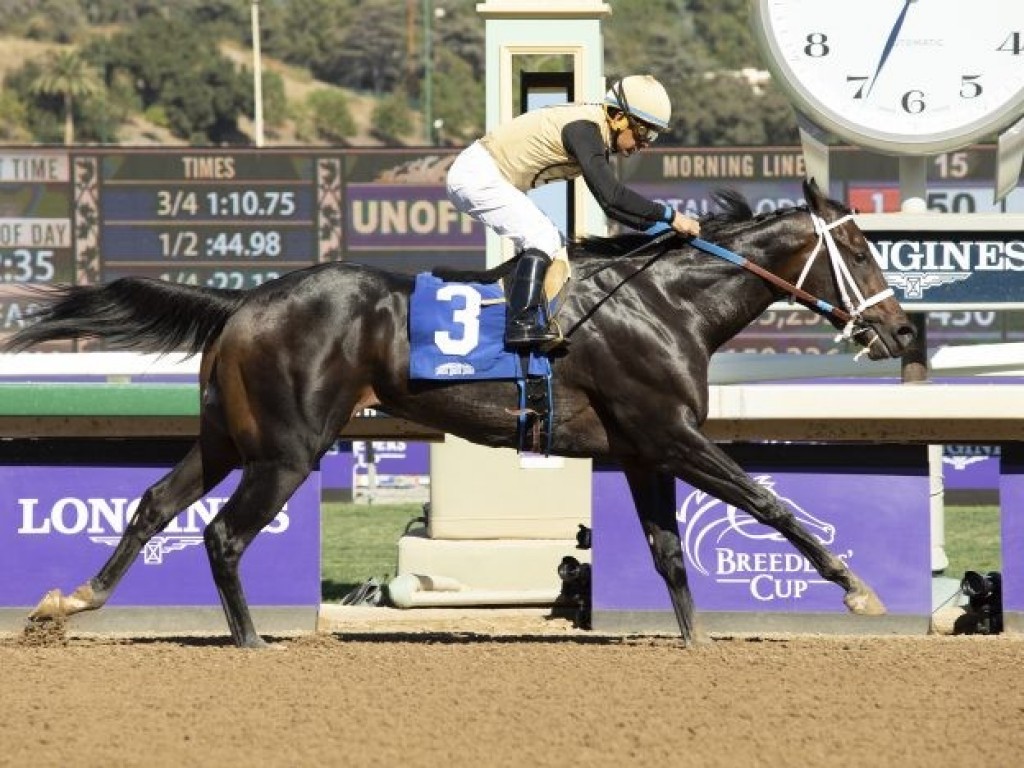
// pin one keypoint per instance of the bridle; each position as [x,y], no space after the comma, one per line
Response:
[842,273]
[851,314]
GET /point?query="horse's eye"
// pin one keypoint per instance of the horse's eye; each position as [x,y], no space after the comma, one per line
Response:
[860,257]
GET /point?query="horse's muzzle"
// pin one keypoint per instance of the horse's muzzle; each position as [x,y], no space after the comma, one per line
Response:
[882,341]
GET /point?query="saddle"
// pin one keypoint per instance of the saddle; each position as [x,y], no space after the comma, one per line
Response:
[456,333]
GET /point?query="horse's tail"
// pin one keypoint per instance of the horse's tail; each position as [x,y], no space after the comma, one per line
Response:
[132,313]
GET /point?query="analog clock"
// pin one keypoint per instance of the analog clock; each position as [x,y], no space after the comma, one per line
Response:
[905,77]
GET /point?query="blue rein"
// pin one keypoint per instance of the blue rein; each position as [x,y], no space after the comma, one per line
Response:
[740,261]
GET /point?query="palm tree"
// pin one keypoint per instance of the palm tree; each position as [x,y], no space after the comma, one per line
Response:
[68,75]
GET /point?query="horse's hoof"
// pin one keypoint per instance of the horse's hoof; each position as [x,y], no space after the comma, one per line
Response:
[50,607]
[864,602]
[256,643]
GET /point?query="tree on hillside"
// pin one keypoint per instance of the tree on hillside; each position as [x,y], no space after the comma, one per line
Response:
[458,99]
[55,21]
[306,33]
[724,29]
[330,117]
[13,118]
[372,55]
[177,67]
[66,75]
[392,118]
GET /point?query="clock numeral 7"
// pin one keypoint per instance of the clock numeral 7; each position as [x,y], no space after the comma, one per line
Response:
[861,82]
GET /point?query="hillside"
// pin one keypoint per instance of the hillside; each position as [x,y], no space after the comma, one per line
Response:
[298,84]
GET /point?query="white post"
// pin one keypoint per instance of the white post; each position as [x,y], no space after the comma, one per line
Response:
[913,197]
[257,74]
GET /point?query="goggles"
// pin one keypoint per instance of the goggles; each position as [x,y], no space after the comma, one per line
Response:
[643,132]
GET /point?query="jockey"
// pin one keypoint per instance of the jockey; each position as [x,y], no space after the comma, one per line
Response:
[490,178]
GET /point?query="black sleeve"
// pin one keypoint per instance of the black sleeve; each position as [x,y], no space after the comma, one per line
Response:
[582,140]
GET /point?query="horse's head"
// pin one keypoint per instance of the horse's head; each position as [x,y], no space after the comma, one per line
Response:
[837,266]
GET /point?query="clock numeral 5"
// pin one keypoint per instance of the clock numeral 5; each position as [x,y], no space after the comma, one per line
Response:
[969,89]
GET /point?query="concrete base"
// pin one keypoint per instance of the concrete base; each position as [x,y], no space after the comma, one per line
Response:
[499,565]
[664,622]
[173,620]
[945,594]
[1013,622]
[497,493]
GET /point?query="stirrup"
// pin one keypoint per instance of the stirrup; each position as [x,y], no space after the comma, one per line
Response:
[522,336]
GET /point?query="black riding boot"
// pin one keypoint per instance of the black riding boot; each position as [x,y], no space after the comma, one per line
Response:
[525,323]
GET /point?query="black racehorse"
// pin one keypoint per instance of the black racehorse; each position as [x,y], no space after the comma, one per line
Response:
[287,364]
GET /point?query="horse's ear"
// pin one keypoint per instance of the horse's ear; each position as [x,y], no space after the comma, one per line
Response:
[812,194]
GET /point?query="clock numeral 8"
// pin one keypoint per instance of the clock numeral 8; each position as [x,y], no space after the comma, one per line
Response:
[913,102]
[816,45]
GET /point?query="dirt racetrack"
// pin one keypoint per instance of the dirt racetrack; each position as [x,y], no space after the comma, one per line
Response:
[490,690]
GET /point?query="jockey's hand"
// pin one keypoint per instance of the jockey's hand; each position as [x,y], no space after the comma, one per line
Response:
[684,225]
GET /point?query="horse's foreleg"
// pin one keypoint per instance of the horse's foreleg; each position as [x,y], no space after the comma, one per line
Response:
[263,490]
[654,497]
[707,467]
[159,504]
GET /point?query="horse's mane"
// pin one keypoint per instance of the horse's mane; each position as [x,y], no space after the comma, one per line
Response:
[732,211]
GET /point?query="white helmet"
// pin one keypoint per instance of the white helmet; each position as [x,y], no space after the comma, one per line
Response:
[642,97]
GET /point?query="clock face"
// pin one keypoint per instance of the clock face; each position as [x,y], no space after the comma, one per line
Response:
[902,76]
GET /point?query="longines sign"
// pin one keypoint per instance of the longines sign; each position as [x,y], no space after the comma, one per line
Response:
[950,262]
[59,524]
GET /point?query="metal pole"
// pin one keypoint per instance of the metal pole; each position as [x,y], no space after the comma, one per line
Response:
[257,74]
[913,193]
[428,73]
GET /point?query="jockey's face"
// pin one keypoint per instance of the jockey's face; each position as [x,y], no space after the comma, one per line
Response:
[630,136]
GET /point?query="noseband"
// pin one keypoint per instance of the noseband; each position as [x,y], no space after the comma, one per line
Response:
[842,274]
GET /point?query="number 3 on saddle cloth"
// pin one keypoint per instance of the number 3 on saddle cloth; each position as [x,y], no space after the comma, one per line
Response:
[456,333]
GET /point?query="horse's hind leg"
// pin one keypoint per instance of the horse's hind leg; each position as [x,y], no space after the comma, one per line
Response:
[265,486]
[183,485]
[706,466]
[654,497]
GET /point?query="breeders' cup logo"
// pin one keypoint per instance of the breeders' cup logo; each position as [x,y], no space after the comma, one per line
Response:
[727,544]
[103,520]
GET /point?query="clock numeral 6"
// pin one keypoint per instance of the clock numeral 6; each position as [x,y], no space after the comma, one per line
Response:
[913,102]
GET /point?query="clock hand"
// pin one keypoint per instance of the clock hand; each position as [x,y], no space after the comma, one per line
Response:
[893,34]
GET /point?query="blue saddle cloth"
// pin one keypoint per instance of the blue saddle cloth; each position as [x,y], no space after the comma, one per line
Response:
[456,333]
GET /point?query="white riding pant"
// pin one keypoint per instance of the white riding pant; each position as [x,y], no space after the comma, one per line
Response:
[477,188]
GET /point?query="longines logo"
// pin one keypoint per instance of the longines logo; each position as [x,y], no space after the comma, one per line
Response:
[103,520]
[914,284]
[914,266]
[721,541]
